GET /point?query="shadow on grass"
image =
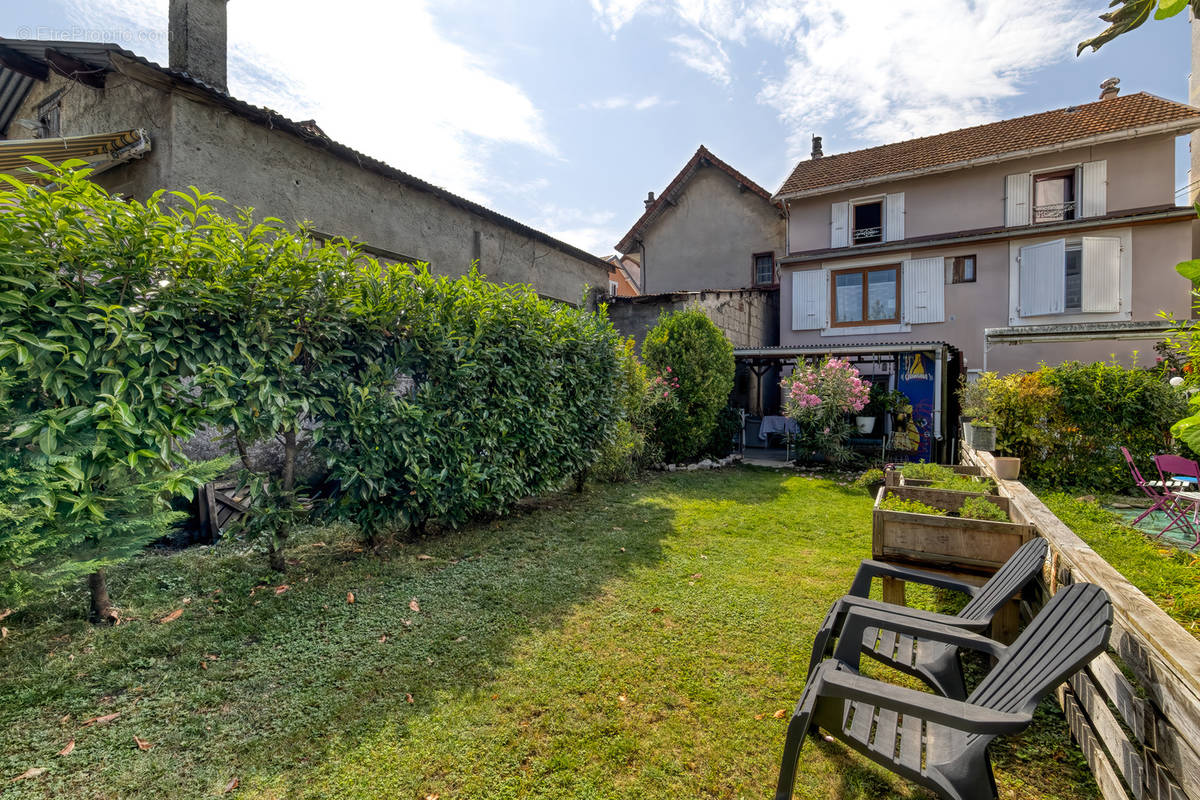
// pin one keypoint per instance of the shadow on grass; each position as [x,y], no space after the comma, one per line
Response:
[265,673]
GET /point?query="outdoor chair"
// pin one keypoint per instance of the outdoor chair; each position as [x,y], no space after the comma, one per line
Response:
[935,741]
[936,663]
[1181,503]
[1155,490]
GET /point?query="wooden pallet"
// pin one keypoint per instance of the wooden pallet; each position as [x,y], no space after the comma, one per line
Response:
[218,504]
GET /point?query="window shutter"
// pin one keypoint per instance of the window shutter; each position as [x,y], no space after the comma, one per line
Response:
[839,226]
[924,281]
[1042,277]
[893,213]
[1101,273]
[1094,192]
[1017,192]
[808,299]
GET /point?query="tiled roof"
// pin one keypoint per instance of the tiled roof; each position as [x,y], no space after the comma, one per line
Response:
[703,157]
[991,141]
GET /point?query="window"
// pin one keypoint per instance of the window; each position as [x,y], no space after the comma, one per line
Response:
[612,288]
[49,116]
[1054,197]
[1070,276]
[866,295]
[764,269]
[1073,278]
[868,222]
[961,269]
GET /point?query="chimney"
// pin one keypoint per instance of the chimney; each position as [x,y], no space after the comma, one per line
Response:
[1109,89]
[649,201]
[196,36]
[816,151]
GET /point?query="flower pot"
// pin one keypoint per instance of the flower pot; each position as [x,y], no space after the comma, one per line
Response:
[1007,469]
[865,424]
[980,437]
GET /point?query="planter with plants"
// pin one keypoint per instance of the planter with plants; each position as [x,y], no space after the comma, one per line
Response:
[946,529]
[872,480]
[956,477]
[880,401]
[979,430]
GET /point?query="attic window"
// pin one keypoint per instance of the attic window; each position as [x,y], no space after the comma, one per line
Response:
[49,116]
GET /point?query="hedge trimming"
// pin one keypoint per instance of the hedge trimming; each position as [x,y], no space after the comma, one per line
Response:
[127,326]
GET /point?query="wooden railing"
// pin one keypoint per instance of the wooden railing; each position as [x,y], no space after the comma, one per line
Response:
[1135,711]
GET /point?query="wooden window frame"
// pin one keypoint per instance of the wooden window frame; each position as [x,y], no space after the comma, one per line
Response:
[754,269]
[833,276]
[958,267]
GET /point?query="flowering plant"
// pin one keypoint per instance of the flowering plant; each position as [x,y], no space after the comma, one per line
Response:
[818,397]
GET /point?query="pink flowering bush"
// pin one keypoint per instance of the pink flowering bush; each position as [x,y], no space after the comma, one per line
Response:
[818,397]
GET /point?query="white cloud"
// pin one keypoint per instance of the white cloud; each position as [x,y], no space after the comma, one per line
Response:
[614,14]
[593,231]
[703,55]
[430,107]
[620,102]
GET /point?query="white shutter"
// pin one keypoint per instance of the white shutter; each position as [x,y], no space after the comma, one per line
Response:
[839,225]
[893,217]
[1093,195]
[808,299]
[1101,273]
[924,281]
[1042,277]
[1017,192]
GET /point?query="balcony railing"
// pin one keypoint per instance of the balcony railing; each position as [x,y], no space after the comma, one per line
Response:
[1055,212]
[868,234]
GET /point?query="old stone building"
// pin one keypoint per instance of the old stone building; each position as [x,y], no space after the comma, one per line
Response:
[146,127]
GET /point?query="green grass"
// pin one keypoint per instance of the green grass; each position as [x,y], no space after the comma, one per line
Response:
[1168,576]
[635,641]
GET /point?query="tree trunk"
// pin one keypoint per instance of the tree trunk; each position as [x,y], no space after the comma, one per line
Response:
[581,481]
[241,448]
[287,485]
[102,608]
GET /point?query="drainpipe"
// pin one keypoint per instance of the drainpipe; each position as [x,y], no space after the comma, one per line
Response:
[939,374]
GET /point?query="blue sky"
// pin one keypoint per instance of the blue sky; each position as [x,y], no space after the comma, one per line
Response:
[564,113]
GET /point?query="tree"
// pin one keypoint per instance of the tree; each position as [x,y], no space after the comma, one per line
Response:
[690,349]
[1131,15]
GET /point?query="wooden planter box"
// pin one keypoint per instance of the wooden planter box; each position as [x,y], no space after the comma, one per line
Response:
[893,478]
[953,543]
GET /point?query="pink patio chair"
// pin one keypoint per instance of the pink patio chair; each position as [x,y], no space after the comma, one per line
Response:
[1152,489]
[1182,503]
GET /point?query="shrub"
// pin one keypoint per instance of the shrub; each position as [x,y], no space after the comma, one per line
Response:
[894,503]
[95,392]
[632,448]
[1067,423]
[980,508]
[818,397]
[687,346]
[728,426]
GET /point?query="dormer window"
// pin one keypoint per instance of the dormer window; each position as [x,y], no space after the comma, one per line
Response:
[868,222]
[1054,196]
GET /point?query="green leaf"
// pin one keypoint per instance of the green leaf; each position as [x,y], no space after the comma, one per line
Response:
[1189,269]
[1169,8]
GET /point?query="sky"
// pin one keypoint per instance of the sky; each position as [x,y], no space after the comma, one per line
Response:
[563,114]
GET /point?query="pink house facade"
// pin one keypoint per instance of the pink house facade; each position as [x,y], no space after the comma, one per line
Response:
[1051,237]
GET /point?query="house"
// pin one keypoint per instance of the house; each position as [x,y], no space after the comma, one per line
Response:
[1049,237]
[711,228]
[146,127]
[624,273]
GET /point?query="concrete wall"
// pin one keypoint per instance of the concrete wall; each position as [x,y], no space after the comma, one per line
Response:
[749,317]
[1141,173]
[972,307]
[707,239]
[197,144]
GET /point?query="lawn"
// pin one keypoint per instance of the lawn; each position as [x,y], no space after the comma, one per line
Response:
[634,641]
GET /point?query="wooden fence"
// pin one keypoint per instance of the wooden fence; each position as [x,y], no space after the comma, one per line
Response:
[1135,711]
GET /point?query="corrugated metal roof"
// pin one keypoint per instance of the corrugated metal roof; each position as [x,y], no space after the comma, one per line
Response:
[101,151]
[865,348]
[14,88]
[102,56]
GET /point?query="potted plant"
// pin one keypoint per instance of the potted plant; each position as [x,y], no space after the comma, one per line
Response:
[978,430]
[880,401]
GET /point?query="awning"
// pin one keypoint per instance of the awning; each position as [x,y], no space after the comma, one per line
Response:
[101,151]
[1153,330]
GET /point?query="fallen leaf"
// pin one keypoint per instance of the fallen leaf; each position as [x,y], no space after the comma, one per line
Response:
[622,549]
[656,610]
[281,588]
[66,751]
[383,638]
[174,615]
[434,796]
[759,716]
[407,623]
[350,597]
[64,719]
[622,698]
[780,713]
[4,614]
[3,633]
[32,772]
[414,605]
[696,576]
[187,600]
[229,787]
[409,698]
[203,665]
[107,718]
[421,557]
[142,744]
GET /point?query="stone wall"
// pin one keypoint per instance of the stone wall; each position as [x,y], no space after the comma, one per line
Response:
[749,317]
